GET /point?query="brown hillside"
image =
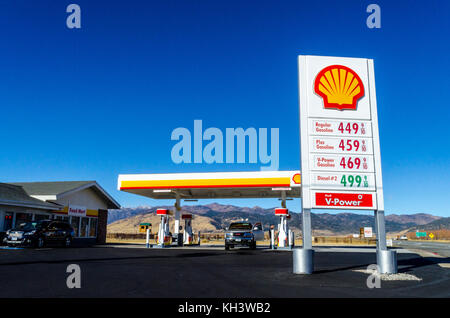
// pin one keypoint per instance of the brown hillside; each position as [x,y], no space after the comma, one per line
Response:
[131,224]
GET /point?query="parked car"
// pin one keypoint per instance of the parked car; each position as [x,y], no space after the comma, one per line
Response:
[243,234]
[2,238]
[40,233]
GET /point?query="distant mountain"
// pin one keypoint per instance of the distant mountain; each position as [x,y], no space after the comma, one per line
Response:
[131,224]
[115,215]
[442,223]
[418,218]
[214,217]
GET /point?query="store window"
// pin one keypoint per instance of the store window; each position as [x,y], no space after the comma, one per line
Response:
[76,224]
[7,224]
[93,228]
[22,218]
[38,217]
[84,227]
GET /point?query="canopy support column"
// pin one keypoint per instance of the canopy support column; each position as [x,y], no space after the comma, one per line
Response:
[283,199]
[177,213]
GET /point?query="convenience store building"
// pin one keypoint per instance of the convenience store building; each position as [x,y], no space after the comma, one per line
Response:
[83,204]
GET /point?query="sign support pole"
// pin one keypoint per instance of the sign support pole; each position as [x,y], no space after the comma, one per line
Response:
[306,229]
[303,258]
[381,231]
[386,259]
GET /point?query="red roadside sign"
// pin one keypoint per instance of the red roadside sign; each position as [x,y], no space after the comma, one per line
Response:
[348,200]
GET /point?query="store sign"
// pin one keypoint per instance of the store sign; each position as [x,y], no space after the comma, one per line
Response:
[340,151]
[368,232]
[75,210]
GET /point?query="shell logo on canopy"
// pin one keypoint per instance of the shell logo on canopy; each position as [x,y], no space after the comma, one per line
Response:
[339,86]
[297,178]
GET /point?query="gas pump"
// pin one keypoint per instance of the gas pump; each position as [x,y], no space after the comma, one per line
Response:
[187,235]
[291,237]
[146,228]
[283,229]
[163,232]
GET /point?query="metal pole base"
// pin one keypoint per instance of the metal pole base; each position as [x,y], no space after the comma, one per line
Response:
[303,261]
[387,261]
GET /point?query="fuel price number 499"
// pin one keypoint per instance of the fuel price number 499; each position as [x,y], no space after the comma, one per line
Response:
[354,181]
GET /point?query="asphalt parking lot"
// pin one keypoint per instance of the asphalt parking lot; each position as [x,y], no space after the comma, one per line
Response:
[436,248]
[133,271]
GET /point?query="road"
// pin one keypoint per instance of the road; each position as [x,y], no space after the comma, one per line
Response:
[436,248]
[211,272]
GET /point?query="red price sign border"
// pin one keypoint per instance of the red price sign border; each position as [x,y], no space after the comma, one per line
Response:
[341,163]
[339,128]
[333,145]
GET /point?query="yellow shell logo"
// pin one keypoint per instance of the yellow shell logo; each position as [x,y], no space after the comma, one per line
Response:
[296,178]
[339,86]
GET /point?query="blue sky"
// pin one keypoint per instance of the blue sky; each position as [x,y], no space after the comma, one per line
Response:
[91,103]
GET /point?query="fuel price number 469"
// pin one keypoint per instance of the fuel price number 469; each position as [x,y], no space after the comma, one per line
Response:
[353,163]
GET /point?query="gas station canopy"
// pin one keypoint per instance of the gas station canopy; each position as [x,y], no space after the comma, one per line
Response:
[213,185]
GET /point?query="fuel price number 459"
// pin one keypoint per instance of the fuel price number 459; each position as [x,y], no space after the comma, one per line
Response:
[348,145]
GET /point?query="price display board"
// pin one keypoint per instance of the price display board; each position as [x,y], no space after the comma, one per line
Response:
[340,149]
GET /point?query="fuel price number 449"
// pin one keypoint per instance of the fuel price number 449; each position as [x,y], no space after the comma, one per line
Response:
[352,128]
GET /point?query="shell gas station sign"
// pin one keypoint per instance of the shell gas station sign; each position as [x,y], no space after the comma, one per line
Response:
[340,151]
